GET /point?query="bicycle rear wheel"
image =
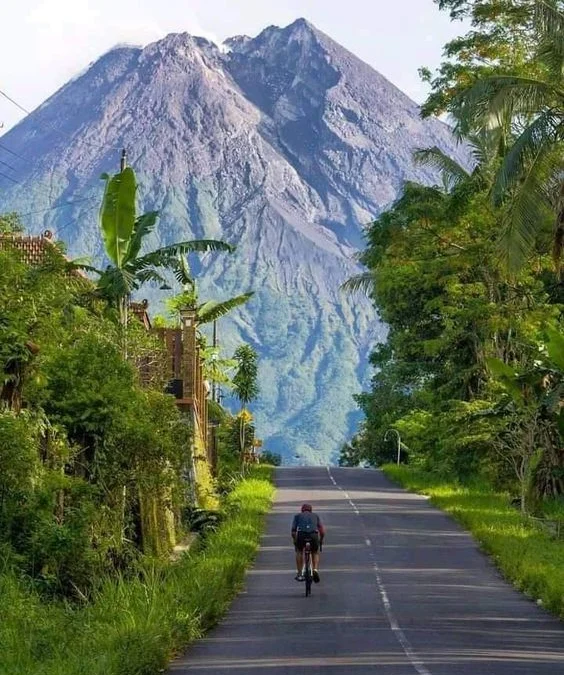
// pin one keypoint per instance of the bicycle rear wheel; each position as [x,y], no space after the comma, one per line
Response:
[308,571]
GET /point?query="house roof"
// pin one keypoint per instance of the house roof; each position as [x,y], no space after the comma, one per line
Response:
[32,247]
[139,309]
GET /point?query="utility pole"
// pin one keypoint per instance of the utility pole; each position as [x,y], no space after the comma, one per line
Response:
[395,431]
[123,160]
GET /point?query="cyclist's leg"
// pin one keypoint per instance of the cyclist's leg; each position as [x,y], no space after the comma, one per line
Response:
[299,556]
[299,561]
[315,558]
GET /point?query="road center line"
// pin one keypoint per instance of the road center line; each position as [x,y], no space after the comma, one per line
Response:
[414,660]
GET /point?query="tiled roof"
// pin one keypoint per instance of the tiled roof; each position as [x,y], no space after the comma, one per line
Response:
[139,309]
[33,248]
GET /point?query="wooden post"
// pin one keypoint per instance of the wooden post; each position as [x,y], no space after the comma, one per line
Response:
[189,347]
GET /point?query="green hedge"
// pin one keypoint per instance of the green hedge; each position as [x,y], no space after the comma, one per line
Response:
[135,626]
[526,554]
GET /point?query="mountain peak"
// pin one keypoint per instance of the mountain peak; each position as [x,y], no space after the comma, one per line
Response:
[284,147]
[300,30]
[301,24]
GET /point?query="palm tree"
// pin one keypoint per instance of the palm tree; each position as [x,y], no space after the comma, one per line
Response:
[123,233]
[245,384]
[530,179]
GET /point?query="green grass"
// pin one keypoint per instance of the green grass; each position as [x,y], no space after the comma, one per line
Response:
[526,554]
[135,626]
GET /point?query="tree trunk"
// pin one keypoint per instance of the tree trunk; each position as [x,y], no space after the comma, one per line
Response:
[123,307]
[558,245]
[242,433]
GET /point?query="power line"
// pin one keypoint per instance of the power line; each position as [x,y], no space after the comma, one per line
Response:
[28,112]
[8,165]
[38,186]
[47,191]
[10,178]
[14,102]
[12,152]
[57,206]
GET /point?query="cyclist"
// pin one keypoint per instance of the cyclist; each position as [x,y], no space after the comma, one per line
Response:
[307,526]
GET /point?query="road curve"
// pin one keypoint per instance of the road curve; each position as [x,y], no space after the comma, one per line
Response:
[403,590]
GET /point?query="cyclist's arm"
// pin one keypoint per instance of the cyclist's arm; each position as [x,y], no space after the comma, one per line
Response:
[294,527]
[320,528]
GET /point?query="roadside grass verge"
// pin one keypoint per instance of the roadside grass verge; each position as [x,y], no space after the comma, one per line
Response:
[135,626]
[525,553]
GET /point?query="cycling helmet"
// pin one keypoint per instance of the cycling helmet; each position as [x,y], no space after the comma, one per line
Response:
[306,507]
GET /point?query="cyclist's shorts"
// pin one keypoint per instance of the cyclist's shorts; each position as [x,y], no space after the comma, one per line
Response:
[303,537]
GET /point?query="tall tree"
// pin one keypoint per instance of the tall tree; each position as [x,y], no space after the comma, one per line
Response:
[501,38]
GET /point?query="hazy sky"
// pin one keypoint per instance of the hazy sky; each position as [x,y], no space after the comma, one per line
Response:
[45,42]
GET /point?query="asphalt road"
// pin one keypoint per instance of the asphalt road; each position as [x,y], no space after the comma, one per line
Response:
[403,590]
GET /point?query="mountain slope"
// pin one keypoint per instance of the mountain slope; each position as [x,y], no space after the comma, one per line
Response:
[284,145]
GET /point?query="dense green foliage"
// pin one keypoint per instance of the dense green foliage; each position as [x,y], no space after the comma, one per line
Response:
[81,437]
[102,477]
[472,373]
[134,625]
[96,460]
[527,553]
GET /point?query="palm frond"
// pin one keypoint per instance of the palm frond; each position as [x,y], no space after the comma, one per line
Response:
[359,283]
[434,158]
[483,147]
[548,19]
[213,309]
[549,25]
[115,283]
[493,99]
[168,256]
[194,246]
[529,209]
[78,265]
[152,276]
[181,270]
[539,135]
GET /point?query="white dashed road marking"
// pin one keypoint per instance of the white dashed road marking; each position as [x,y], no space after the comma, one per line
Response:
[414,660]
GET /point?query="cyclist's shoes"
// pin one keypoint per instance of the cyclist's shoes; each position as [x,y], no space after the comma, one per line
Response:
[299,577]
[316,576]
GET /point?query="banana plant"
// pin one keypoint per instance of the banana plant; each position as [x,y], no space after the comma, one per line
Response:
[533,409]
[206,312]
[123,234]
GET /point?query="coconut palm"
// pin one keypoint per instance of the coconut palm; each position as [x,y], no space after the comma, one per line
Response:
[530,179]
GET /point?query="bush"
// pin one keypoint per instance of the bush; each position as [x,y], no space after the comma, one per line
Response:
[272,458]
[201,521]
